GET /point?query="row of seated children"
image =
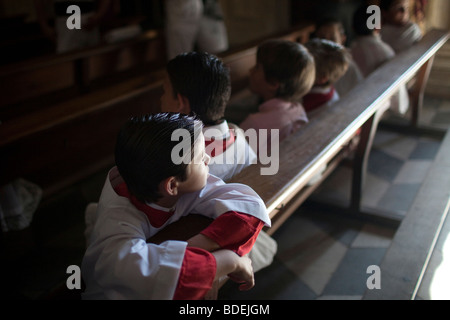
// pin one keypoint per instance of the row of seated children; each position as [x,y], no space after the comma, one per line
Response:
[145,193]
[140,190]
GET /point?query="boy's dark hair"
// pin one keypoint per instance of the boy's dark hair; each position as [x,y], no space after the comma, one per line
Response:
[385,5]
[205,81]
[143,152]
[331,58]
[290,64]
[360,18]
[329,21]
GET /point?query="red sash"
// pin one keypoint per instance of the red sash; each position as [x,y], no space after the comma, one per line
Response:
[314,100]
[217,147]
[156,217]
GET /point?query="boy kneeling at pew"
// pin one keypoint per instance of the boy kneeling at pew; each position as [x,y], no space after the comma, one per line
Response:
[199,83]
[152,187]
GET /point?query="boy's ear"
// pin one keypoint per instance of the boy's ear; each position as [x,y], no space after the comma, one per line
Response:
[273,85]
[183,102]
[169,187]
[321,81]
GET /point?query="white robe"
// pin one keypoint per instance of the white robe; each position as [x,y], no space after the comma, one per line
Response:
[370,52]
[401,37]
[187,25]
[120,264]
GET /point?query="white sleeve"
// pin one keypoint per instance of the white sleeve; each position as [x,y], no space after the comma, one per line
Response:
[119,264]
[218,198]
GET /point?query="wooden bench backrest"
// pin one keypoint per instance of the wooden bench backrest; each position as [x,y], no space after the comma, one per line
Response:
[75,72]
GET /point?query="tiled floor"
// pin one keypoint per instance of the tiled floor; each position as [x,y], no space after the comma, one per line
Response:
[321,255]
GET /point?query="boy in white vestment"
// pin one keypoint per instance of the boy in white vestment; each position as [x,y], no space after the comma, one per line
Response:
[162,176]
[192,24]
[397,29]
[333,30]
[370,52]
[200,83]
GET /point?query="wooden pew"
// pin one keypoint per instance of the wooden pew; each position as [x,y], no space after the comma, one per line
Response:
[323,141]
[36,83]
[59,145]
[55,78]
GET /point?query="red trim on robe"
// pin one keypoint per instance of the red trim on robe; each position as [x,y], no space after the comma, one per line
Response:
[156,217]
[196,276]
[234,231]
[217,147]
[314,100]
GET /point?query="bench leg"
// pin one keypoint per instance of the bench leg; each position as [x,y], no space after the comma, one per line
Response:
[416,96]
[359,170]
[418,91]
[360,162]
[359,166]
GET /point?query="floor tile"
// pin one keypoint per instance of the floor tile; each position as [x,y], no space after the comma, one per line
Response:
[309,252]
[413,171]
[373,190]
[396,145]
[350,279]
[329,297]
[426,149]
[384,165]
[275,282]
[444,106]
[317,267]
[441,118]
[338,227]
[399,197]
[372,236]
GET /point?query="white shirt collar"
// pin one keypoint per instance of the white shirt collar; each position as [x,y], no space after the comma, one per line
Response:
[218,132]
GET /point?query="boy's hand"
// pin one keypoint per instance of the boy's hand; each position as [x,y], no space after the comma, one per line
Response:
[243,274]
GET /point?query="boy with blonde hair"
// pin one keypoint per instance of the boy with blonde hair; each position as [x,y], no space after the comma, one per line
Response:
[283,74]
[332,62]
[333,30]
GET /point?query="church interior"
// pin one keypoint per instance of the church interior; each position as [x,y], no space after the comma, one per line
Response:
[60,113]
